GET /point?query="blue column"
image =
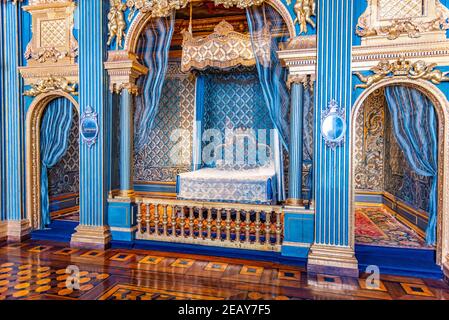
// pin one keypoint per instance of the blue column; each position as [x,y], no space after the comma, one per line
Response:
[296,144]
[122,209]
[94,162]
[126,144]
[333,251]
[298,221]
[3,226]
[14,119]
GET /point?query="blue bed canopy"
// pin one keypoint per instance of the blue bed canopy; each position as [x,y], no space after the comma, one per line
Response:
[240,57]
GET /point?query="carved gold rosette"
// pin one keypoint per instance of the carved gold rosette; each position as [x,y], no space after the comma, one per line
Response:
[224,48]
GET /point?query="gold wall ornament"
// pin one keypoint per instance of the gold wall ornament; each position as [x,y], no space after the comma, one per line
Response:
[386,20]
[305,10]
[52,28]
[242,4]
[224,48]
[116,22]
[52,83]
[403,68]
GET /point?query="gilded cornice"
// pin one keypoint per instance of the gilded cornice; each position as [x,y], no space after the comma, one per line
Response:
[366,57]
[124,69]
[299,55]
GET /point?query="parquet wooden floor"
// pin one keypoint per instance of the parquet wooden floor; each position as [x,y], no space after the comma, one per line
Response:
[42,270]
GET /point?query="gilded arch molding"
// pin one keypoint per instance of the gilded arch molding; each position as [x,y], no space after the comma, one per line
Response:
[33,168]
[141,19]
[442,108]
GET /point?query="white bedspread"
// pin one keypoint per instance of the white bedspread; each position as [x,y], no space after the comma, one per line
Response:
[246,186]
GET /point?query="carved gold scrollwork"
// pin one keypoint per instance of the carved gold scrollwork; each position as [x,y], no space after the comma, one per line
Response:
[52,83]
[393,18]
[417,70]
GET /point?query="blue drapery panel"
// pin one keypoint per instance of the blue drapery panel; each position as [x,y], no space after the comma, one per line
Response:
[54,140]
[156,44]
[415,127]
[272,75]
[198,125]
[308,138]
[272,78]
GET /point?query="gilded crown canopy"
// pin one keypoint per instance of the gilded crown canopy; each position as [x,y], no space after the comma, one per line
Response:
[224,48]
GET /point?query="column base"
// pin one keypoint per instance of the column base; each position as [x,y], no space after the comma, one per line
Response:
[18,230]
[446,270]
[332,260]
[294,202]
[91,237]
[3,231]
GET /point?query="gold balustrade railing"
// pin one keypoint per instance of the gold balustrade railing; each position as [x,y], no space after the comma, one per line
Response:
[255,227]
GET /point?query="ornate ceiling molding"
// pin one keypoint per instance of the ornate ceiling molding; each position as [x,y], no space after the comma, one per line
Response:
[402,68]
[387,20]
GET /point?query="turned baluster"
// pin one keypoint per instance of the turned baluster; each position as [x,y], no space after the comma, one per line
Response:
[278,228]
[267,227]
[257,226]
[174,209]
[191,223]
[218,224]
[209,223]
[183,222]
[248,227]
[165,220]
[200,223]
[228,225]
[156,219]
[237,226]
[139,218]
[148,217]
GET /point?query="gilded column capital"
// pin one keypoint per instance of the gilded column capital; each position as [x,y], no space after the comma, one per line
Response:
[299,55]
[124,69]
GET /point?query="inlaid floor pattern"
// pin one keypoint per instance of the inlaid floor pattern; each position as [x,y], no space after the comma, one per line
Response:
[45,270]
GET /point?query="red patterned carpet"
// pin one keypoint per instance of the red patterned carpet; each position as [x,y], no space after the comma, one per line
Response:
[376,226]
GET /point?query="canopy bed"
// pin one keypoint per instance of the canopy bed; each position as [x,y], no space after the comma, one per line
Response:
[239,88]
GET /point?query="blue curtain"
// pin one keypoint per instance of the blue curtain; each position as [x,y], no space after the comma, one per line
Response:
[272,77]
[156,46]
[308,137]
[198,126]
[54,136]
[415,127]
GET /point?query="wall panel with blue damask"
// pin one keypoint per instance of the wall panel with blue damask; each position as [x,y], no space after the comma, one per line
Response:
[234,100]
[156,161]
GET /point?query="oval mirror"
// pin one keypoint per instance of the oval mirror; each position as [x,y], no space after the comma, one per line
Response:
[333,128]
